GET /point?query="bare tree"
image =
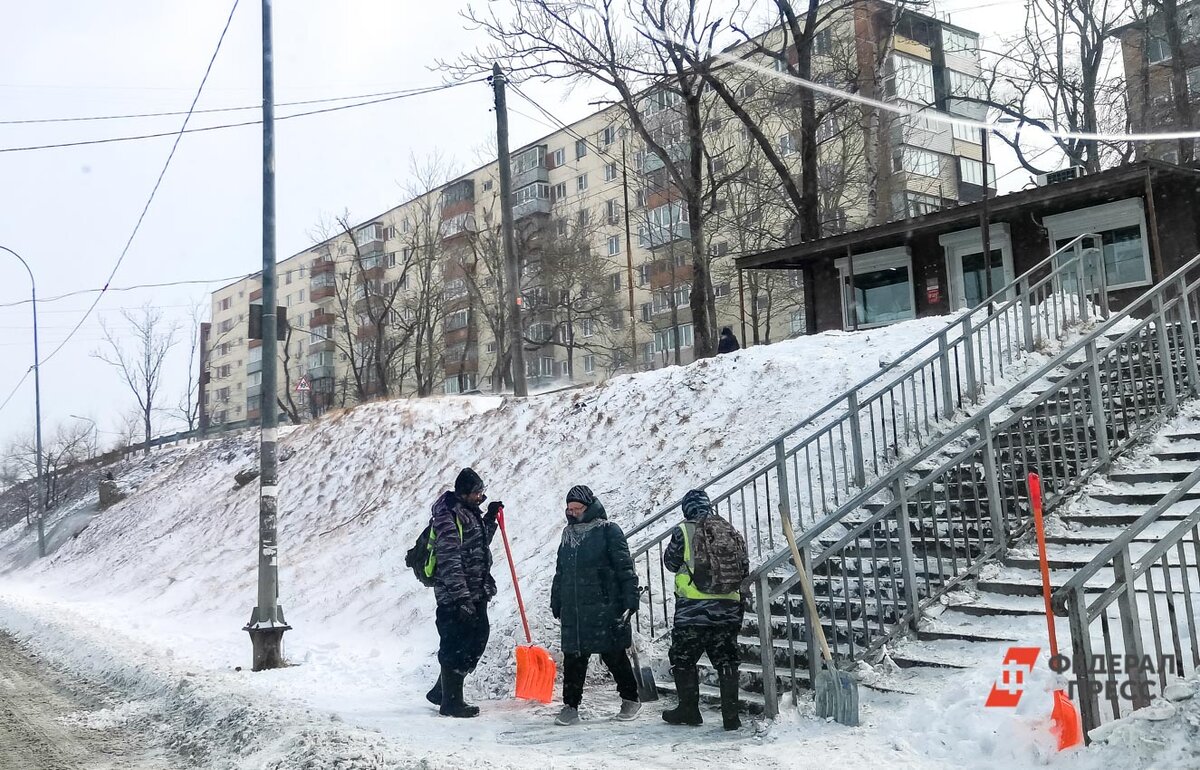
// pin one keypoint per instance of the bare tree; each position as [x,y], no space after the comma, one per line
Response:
[140,362]
[188,408]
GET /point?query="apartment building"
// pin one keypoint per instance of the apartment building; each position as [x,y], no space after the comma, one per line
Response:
[409,301]
[1148,64]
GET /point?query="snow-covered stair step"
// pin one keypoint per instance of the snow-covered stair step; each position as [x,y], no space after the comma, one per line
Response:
[1138,494]
[1123,514]
[997,604]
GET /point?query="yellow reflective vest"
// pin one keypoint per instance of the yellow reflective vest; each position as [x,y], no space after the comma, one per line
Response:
[684,586]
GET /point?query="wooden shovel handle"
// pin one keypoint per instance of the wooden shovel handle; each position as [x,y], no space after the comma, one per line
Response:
[806,586]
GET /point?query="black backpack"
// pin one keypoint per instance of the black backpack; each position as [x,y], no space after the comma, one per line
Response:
[422,559]
[719,551]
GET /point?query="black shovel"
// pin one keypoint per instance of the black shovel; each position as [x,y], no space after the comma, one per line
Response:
[647,689]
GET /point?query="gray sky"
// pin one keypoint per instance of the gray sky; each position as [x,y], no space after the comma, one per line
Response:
[70,211]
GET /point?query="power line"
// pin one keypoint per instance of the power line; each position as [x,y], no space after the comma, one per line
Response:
[13,392]
[141,217]
[243,124]
[208,111]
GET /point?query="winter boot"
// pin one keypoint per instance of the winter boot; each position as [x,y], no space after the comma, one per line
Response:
[453,704]
[729,697]
[687,687]
[434,695]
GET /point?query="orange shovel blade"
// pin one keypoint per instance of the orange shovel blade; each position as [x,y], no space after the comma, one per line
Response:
[535,674]
[1066,723]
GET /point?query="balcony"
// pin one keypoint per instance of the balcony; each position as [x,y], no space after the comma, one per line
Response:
[458,198]
[455,226]
[321,318]
[321,267]
[657,236]
[323,286]
[677,152]
[369,236]
[321,345]
[531,207]
[320,372]
[254,366]
[529,167]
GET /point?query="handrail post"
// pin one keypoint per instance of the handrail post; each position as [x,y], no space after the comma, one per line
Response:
[1101,273]
[1081,650]
[1166,362]
[992,479]
[1131,625]
[908,566]
[767,646]
[1027,313]
[1189,338]
[781,480]
[969,354]
[1099,416]
[947,388]
[856,444]
[1081,282]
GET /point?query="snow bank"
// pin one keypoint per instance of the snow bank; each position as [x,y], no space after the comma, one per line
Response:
[170,571]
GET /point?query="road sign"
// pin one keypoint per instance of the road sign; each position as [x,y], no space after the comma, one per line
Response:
[302,386]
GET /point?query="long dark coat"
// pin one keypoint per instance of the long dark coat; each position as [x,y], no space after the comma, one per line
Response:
[464,565]
[594,584]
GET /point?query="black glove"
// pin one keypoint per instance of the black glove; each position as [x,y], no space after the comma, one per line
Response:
[466,613]
[557,613]
[494,508]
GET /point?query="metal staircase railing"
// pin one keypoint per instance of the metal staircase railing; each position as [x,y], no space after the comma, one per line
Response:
[918,531]
[1147,613]
[861,433]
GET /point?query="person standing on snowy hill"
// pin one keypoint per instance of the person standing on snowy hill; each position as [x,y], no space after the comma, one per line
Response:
[594,586]
[708,619]
[464,584]
[727,343]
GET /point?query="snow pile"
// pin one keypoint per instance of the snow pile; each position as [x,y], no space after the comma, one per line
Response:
[167,577]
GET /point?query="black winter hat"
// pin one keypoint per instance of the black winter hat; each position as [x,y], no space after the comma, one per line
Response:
[468,481]
[726,332]
[695,504]
[581,494]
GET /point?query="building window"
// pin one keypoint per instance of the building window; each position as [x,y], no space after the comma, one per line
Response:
[822,44]
[911,80]
[612,211]
[580,148]
[643,275]
[972,172]
[960,84]
[647,311]
[589,364]
[558,192]
[587,328]
[487,185]
[640,198]
[956,42]
[226,303]
[608,135]
[225,326]
[797,322]
[748,89]
[1159,50]
[614,245]
[881,291]
[458,319]
[614,282]
[581,183]
[916,204]
[558,157]
[787,145]
[610,172]
[966,133]
[1193,81]
[1121,227]
[584,218]
[917,161]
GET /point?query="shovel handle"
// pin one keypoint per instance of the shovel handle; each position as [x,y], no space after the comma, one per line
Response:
[1039,523]
[806,586]
[512,568]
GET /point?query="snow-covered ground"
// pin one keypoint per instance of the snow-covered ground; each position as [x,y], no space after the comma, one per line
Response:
[151,595]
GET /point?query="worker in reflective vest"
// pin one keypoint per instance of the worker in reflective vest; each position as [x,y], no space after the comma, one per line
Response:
[704,623]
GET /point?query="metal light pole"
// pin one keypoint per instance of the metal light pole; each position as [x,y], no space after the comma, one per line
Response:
[986,221]
[266,624]
[37,407]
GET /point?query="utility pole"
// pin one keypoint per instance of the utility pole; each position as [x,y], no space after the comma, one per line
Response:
[985,227]
[37,407]
[266,624]
[511,268]
[633,362]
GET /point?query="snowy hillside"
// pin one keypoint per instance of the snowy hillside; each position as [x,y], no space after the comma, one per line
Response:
[163,582]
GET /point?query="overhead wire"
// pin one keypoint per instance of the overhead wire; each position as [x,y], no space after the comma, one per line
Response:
[154,191]
[210,110]
[223,126]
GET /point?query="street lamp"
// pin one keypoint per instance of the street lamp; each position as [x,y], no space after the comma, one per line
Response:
[37,402]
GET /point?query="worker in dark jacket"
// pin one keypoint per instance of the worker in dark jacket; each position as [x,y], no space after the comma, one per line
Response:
[704,623]
[594,586]
[463,537]
[727,343]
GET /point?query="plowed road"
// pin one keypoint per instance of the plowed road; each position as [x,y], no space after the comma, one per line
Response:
[42,721]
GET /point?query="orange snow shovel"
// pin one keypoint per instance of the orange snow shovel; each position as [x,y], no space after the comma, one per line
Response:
[535,668]
[1065,716]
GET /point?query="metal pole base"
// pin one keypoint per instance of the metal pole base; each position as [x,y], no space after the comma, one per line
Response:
[266,637]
